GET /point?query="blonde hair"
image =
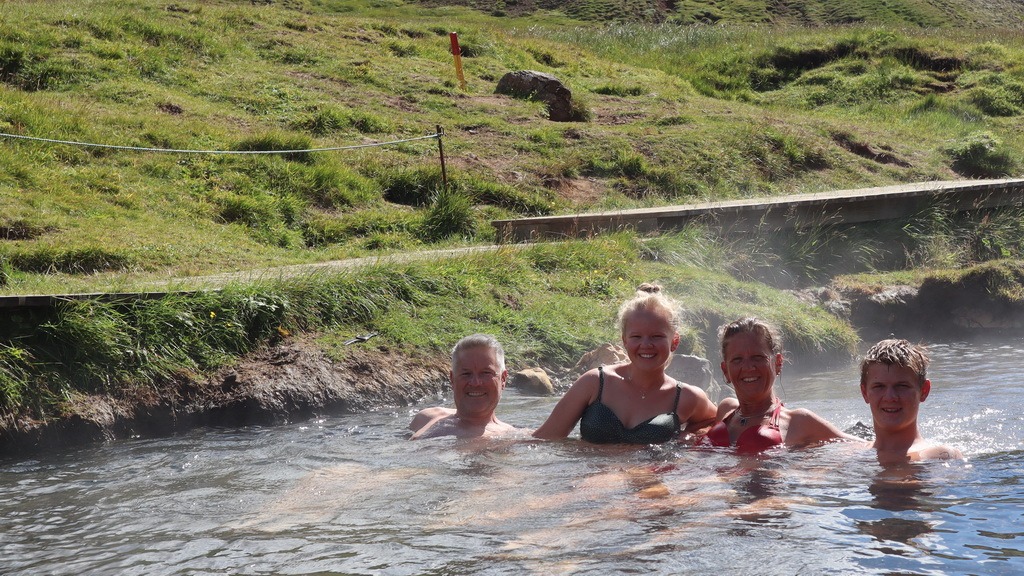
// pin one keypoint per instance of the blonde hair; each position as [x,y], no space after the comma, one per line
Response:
[896,352]
[650,298]
[765,331]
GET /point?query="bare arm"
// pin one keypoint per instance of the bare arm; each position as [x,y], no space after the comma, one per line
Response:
[807,428]
[569,409]
[702,411]
[426,418]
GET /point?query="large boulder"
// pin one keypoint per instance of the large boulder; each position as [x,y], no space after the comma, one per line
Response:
[695,371]
[603,355]
[540,86]
[532,381]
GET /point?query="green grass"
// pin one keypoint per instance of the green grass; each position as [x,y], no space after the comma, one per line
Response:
[667,112]
[548,303]
[676,114]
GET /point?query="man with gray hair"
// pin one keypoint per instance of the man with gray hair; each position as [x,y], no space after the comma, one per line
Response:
[478,376]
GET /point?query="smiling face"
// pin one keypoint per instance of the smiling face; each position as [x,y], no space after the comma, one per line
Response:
[894,393]
[477,380]
[649,339]
[750,366]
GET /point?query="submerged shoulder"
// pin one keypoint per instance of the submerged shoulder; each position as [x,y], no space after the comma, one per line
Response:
[938,452]
[428,415]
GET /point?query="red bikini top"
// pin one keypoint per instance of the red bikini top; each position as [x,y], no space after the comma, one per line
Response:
[752,440]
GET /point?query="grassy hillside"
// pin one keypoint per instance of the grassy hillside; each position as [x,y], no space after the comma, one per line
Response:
[940,13]
[677,114]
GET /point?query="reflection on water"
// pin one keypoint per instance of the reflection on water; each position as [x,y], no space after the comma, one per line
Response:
[897,489]
[351,495]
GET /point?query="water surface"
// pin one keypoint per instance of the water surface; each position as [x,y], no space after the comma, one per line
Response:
[349,495]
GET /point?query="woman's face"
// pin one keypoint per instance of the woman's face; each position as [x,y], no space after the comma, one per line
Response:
[649,338]
[750,365]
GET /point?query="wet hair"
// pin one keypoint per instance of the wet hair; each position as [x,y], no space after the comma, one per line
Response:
[896,352]
[650,298]
[480,341]
[766,332]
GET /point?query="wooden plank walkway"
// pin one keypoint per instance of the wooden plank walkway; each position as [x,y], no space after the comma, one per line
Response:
[778,212]
[749,215]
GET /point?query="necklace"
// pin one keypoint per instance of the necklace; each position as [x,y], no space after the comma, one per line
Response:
[643,393]
[744,418]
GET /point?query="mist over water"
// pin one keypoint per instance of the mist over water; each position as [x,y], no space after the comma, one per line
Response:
[349,494]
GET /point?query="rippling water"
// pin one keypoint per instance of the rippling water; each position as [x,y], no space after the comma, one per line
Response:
[350,495]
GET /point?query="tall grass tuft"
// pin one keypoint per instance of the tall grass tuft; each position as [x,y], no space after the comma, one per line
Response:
[981,155]
[410,187]
[450,214]
[278,141]
[70,260]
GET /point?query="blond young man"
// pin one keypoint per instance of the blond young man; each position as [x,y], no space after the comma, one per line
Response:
[894,383]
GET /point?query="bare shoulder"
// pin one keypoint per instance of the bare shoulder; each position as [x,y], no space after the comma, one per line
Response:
[938,452]
[808,428]
[689,391]
[805,418]
[587,383]
[428,415]
[727,405]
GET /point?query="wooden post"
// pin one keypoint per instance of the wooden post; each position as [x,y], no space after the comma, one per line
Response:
[457,53]
[440,152]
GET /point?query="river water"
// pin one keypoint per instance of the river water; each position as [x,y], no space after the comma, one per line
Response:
[349,495]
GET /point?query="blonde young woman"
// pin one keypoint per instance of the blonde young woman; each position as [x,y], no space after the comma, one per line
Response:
[634,402]
[755,419]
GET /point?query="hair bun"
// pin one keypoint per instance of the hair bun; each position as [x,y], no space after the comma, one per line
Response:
[648,288]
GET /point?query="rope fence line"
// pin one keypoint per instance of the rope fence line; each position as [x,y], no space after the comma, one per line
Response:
[436,135]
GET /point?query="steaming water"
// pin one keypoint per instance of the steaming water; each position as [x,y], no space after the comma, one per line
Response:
[350,495]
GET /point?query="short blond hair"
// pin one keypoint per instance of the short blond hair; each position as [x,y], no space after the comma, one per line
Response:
[896,352]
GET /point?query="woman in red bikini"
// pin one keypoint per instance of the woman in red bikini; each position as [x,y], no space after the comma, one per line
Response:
[755,419]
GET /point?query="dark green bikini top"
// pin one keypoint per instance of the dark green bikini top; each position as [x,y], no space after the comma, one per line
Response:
[601,426]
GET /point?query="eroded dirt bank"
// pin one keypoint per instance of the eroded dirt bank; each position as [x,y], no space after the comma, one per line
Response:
[291,381]
[294,380]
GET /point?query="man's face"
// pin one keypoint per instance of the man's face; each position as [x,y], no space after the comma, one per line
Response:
[477,381]
[894,395]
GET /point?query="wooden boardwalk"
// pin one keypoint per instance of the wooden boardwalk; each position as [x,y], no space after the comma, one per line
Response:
[778,212]
[749,215]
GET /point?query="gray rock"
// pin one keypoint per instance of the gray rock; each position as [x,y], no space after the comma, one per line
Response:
[540,86]
[695,371]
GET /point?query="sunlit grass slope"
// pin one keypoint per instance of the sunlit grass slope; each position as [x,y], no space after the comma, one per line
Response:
[944,13]
[678,113]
